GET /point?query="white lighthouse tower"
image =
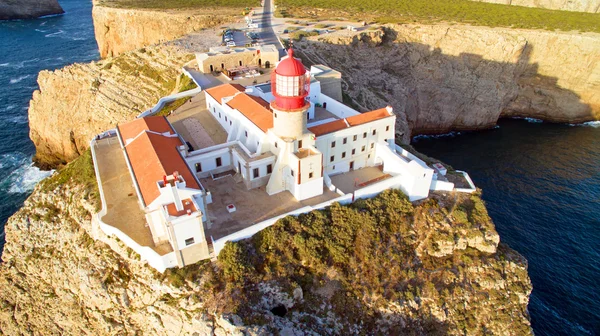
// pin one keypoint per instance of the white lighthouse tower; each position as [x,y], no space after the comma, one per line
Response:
[299,163]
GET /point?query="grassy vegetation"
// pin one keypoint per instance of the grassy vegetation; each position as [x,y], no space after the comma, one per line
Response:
[179,4]
[81,172]
[185,84]
[426,11]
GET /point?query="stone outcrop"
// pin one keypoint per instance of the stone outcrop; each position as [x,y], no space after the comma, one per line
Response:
[590,6]
[119,29]
[28,9]
[62,276]
[75,103]
[456,77]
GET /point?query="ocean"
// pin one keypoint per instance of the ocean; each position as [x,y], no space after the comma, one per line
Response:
[26,47]
[541,185]
[541,181]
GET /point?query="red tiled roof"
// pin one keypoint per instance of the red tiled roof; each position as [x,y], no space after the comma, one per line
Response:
[254,108]
[153,156]
[172,210]
[356,120]
[225,90]
[366,117]
[329,127]
[133,128]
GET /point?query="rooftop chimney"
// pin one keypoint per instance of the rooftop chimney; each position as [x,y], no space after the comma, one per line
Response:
[390,109]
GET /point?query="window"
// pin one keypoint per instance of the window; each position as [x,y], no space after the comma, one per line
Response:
[275,144]
[246,133]
[363,149]
[214,110]
[219,114]
[255,173]
[387,128]
[355,137]
[269,169]
[333,144]
[353,151]
[343,155]
[219,162]
[275,115]
[374,132]
[189,241]
[292,172]
[225,118]
[310,175]
[332,158]
[364,135]
[345,141]
[198,167]
[299,143]
[230,123]
[372,145]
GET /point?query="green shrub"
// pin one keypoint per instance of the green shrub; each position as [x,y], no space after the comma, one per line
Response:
[235,263]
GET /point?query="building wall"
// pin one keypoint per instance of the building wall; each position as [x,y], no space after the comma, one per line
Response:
[222,61]
[186,227]
[331,86]
[341,163]
[335,107]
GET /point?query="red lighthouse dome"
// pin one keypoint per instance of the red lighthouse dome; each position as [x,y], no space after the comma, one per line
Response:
[290,82]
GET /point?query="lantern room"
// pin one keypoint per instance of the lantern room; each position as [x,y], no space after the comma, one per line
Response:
[291,83]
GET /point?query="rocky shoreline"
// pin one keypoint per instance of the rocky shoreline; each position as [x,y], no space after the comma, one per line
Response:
[28,9]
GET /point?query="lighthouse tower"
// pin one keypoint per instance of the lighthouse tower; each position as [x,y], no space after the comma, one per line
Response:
[290,84]
[298,168]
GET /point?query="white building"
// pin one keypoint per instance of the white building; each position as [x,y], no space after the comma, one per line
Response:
[285,136]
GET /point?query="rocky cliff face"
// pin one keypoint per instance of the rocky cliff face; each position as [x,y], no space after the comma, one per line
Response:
[118,30]
[75,103]
[28,9]
[590,6]
[441,78]
[57,279]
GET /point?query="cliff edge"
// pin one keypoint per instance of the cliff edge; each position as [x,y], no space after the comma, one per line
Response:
[118,30]
[28,9]
[441,78]
[380,266]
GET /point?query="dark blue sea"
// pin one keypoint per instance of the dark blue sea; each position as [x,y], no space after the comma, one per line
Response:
[541,185]
[541,181]
[26,47]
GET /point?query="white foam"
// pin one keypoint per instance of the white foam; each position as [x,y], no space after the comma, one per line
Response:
[54,34]
[4,64]
[25,178]
[12,159]
[445,135]
[18,79]
[595,124]
[22,119]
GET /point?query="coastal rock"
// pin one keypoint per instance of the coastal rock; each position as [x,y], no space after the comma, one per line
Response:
[118,30]
[590,6]
[28,9]
[61,275]
[75,103]
[441,78]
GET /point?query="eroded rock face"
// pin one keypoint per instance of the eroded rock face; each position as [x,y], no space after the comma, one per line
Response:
[79,101]
[440,78]
[590,6]
[119,30]
[28,9]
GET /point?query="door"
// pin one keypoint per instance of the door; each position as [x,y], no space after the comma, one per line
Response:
[351,165]
[267,64]
[324,105]
[211,68]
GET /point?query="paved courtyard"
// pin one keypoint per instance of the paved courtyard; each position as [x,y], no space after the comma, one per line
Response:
[355,179]
[123,210]
[252,206]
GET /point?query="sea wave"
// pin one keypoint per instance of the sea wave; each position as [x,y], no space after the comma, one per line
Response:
[24,175]
[531,120]
[54,34]
[18,79]
[437,136]
[564,321]
[21,119]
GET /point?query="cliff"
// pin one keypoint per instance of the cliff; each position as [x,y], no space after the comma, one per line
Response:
[456,77]
[121,29]
[28,9]
[380,266]
[590,6]
[75,103]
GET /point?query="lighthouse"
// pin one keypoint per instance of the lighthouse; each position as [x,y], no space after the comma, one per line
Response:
[290,83]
